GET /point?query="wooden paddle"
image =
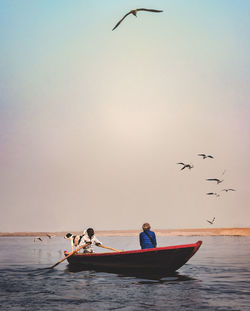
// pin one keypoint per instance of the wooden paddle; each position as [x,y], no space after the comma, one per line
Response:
[113,249]
[75,251]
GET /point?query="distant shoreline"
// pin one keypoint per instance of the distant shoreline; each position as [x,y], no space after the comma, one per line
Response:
[159,232]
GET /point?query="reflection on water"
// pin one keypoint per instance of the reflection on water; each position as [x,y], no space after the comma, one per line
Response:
[161,277]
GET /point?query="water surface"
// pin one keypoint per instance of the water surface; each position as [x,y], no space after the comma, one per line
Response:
[216,278]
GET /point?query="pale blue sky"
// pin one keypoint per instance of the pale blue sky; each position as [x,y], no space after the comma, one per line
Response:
[93,121]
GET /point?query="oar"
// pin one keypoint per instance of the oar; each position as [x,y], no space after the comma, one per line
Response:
[75,251]
[113,249]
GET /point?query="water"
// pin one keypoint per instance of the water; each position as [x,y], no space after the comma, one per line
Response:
[216,278]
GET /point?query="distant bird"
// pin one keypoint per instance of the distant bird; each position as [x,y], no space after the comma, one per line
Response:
[229,189]
[37,238]
[185,165]
[205,156]
[211,221]
[215,179]
[213,193]
[134,12]
[50,236]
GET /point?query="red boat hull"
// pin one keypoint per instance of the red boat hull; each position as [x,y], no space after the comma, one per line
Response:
[154,260]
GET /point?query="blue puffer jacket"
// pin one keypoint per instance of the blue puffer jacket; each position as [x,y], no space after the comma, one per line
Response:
[145,241]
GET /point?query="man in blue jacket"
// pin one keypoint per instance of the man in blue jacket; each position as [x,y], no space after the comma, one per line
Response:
[147,237]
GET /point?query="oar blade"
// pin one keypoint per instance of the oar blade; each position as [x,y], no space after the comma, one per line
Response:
[75,251]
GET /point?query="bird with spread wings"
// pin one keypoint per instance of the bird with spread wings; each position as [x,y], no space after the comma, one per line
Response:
[204,156]
[50,236]
[215,179]
[213,193]
[211,221]
[185,165]
[134,12]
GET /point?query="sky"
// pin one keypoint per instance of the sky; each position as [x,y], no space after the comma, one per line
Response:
[93,121]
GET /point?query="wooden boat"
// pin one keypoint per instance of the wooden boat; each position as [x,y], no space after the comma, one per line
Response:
[154,260]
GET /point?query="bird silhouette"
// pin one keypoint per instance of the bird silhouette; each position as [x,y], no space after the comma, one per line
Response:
[204,156]
[215,179]
[185,165]
[50,236]
[134,12]
[229,189]
[211,221]
[37,238]
[213,193]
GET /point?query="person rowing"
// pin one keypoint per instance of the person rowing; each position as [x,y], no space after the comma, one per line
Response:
[87,243]
[90,240]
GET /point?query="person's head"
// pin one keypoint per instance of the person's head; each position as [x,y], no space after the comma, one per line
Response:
[90,232]
[146,226]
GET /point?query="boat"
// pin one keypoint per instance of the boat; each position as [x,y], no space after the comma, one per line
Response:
[153,260]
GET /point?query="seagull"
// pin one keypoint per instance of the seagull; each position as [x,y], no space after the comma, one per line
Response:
[229,189]
[37,238]
[185,165]
[134,12]
[213,193]
[50,236]
[215,179]
[205,156]
[211,221]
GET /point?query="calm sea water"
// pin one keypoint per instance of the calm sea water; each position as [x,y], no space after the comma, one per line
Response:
[216,278]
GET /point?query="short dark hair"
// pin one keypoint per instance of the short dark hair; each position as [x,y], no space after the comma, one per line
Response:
[90,232]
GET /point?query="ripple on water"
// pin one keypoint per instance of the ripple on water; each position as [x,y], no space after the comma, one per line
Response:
[212,280]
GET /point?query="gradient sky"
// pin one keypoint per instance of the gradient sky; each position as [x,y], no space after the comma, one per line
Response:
[93,121]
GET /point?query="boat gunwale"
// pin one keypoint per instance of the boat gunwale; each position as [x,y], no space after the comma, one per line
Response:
[140,251]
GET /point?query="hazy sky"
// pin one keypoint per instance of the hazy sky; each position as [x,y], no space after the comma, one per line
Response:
[93,121]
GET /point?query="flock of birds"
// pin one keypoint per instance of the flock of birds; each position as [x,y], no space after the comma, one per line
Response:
[184,165]
[217,180]
[38,238]
[203,155]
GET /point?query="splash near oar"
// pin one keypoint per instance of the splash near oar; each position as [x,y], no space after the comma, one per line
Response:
[75,251]
[70,254]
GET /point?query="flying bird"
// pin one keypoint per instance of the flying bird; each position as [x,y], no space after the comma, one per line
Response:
[204,156]
[215,179]
[229,189]
[50,236]
[37,238]
[211,221]
[185,165]
[213,193]
[134,12]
